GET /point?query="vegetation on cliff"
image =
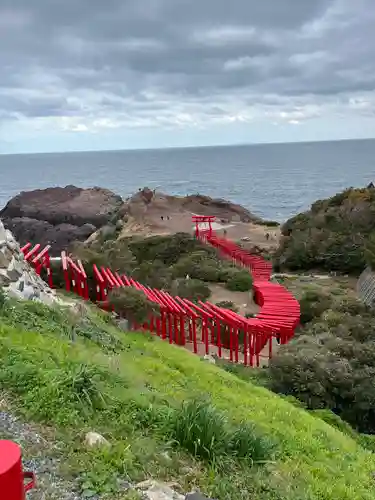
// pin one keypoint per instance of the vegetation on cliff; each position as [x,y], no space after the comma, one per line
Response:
[76,372]
[333,235]
[330,364]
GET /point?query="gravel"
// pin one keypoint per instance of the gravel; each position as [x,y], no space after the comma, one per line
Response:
[38,458]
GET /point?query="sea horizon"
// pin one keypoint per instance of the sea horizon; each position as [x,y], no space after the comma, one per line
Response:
[207,146]
[275,180]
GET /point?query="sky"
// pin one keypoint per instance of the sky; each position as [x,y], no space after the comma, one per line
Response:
[119,74]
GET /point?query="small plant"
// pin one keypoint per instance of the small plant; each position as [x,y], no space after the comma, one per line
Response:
[199,428]
[81,384]
[247,443]
[239,281]
[227,304]
[206,433]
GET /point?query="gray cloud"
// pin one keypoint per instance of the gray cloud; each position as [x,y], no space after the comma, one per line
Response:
[93,64]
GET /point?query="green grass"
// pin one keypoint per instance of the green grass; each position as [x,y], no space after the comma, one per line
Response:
[145,397]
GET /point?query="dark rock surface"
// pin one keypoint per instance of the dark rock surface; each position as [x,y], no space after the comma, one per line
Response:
[58,216]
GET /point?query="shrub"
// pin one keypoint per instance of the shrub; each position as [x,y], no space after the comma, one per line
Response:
[336,234]
[199,266]
[132,304]
[167,249]
[227,304]
[240,281]
[313,304]
[191,289]
[331,366]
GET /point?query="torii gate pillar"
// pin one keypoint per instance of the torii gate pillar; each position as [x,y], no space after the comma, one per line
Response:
[199,219]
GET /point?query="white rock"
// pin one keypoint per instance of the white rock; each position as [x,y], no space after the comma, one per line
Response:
[153,490]
[209,358]
[93,440]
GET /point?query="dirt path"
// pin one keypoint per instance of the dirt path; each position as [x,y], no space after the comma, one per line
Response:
[243,300]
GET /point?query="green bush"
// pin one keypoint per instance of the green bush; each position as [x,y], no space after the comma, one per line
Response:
[331,365]
[313,304]
[199,266]
[132,304]
[167,249]
[336,234]
[191,289]
[240,281]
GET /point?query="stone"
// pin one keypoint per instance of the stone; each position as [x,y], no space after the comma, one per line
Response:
[15,269]
[17,278]
[5,257]
[95,440]
[3,234]
[210,359]
[4,278]
[154,490]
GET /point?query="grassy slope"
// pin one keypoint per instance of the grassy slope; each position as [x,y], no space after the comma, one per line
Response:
[316,461]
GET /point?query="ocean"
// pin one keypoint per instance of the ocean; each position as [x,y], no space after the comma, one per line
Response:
[275,181]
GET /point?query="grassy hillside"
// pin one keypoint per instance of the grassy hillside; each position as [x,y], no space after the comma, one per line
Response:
[77,372]
[332,235]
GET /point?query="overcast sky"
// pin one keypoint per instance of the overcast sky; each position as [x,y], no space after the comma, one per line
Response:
[104,74]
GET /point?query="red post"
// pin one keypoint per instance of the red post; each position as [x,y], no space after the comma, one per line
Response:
[64,264]
[12,477]
[218,337]
[194,328]
[231,341]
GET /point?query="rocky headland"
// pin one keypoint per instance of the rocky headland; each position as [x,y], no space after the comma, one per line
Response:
[59,216]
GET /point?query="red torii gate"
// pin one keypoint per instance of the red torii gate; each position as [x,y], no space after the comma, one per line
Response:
[199,219]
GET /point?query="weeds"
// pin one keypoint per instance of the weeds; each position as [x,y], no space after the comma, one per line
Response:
[206,433]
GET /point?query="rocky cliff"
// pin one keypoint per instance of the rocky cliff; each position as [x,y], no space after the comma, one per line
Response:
[60,215]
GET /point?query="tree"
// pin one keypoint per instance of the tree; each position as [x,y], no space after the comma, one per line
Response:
[313,303]
[133,305]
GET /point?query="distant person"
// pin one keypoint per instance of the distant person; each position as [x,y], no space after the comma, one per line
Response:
[267,236]
[225,233]
[167,217]
[162,218]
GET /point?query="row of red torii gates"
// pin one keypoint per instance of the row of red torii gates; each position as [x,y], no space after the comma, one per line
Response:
[205,327]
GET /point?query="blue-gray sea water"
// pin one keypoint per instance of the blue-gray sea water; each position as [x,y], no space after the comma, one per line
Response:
[275,181]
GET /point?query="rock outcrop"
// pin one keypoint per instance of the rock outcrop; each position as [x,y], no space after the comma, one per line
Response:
[58,216]
[148,201]
[17,278]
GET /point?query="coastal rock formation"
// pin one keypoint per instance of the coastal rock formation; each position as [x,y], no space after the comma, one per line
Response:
[60,215]
[17,278]
[148,202]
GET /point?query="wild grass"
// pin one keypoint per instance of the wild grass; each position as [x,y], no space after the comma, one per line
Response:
[168,416]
